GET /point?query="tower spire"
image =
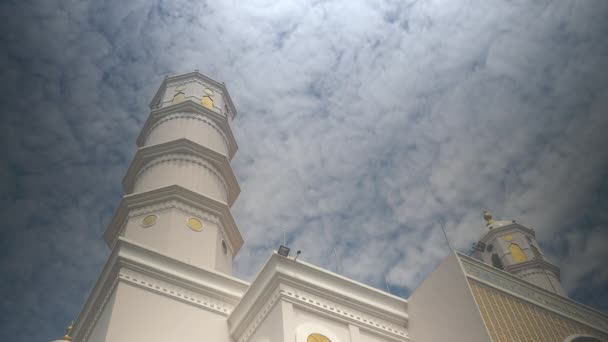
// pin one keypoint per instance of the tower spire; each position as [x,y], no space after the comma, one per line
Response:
[512,247]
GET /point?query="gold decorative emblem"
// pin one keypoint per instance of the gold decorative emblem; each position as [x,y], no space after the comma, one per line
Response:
[207,102]
[517,254]
[149,221]
[317,338]
[208,91]
[195,224]
[508,237]
[178,97]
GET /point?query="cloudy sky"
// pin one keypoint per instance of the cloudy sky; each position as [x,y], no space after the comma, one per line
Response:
[361,125]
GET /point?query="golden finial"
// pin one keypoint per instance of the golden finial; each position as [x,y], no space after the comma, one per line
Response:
[68,331]
[488,217]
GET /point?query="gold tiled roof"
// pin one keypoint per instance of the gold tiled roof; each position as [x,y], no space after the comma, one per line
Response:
[511,319]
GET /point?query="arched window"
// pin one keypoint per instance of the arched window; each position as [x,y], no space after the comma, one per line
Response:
[317,338]
[496,262]
[517,254]
[315,332]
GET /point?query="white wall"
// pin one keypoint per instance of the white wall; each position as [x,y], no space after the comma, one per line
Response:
[103,323]
[195,127]
[442,308]
[270,328]
[172,236]
[309,321]
[140,315]
[542,278]
[368,336]
[186,170]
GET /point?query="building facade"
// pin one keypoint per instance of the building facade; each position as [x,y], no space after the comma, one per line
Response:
[173,240]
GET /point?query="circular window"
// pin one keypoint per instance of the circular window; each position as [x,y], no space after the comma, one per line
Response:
[149,221]
[224,247]
[195,224]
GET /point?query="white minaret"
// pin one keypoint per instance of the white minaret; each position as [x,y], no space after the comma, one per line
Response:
[180,184]
[173,237]
[511,247]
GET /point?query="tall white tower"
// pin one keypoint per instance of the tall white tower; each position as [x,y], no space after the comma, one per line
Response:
[180,184]
[173,237]
[511,247]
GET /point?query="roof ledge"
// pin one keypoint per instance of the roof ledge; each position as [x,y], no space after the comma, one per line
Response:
[220,161]
[173,192]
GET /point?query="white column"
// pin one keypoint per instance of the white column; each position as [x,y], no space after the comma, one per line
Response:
[289,324]
[353,330]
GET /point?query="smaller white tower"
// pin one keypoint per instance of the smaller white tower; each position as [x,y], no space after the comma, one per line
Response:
[180,185]
[511,247]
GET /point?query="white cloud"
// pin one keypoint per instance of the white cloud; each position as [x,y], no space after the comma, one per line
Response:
[360,123]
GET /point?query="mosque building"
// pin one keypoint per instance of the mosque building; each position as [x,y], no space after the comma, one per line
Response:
[173,240]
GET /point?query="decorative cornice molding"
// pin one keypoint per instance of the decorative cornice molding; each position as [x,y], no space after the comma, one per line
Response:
[97,299]
[509,283]
[539,272]
[149,269]
[190,80]
[174,291]
[154,208]
[502,230]
[534,263]
[191,202]
[328,307]
[348,313]
[320,290]
[261,315]
[188,115]
[183,146]
[186,208]
[195,108]
[183,157]
[91,324]
[159,286]
[154,263]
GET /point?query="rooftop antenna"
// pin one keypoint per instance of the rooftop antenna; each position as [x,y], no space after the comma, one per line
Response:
[297,255]
[445,235]
[339,267]
[388,288]
[283,249]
